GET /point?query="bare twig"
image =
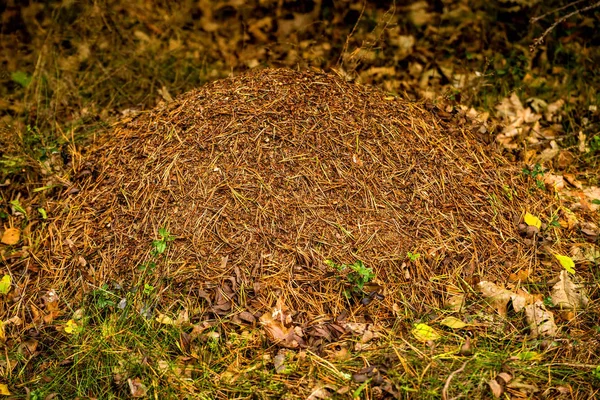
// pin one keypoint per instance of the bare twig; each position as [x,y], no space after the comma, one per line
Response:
[535,19]
[345,48]
[540,39]
[447,384]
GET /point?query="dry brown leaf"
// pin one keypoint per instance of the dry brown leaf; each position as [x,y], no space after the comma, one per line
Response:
[568,295]
[521,275]
[553,182]
[277,332]
[496,388]
[540,321]
[11,236]
[572,180]
[137,388]
[548,154]
[319,394]
[496,296]
[585,252]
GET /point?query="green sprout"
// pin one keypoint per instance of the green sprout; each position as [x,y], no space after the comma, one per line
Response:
[413,257]
[357,275]
[534,173]
[160,245]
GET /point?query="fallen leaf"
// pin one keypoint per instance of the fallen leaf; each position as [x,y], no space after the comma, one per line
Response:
[290,337]
[568,295]
[279,362]
[529,356]
[2,332]
[454,323]
[425,333]
[521,275]
[71,327]
[532,220]
[4,390]
[566,262]
[540,321]
[137,388]
[496,388]
[11,236]
[164,319]
[496,296]
[5,284]
[554,182]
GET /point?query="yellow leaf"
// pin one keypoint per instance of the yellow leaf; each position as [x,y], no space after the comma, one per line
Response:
[532,220]
[164,319]
[454,323]
[425,333]
[4,390]
[71,327]
[2,332]
[5,284]
[11,236]
[529,356]
[566,262]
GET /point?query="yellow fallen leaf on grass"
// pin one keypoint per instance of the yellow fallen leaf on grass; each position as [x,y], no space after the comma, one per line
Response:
[532,220]
[11,236]
[164,319]
[71,327]
[566,262]
[453,322]
[4,390]
[5,284]
[425,333]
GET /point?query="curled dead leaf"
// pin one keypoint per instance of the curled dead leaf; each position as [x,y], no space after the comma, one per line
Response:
[277,332]
[568,295]
[540,320]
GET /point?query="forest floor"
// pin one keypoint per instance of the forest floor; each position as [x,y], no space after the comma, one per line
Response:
[71,70]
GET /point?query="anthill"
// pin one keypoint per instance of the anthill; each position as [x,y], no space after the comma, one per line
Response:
[261,178]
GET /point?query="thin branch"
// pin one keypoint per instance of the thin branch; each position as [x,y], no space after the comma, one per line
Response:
[345,48]
[447,384]
[535,19]
[540,39]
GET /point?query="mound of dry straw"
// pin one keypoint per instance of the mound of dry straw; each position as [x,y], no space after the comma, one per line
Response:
[262,177]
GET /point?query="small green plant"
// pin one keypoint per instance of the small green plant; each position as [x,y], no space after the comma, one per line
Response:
[20,77]
[554,222]
[357,275]
[103,298]
[147,267]
[594,144]
[413,257]
[160,245]
[596,372]
[508,192]
[534,173]
[18,207]
[43,213]
[148,289]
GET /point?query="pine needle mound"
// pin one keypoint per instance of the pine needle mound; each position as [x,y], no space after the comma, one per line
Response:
[264,176]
